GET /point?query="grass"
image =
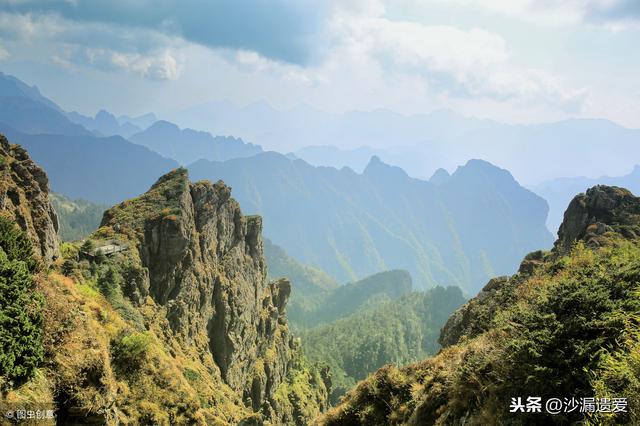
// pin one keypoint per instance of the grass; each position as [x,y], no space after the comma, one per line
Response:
[161,201]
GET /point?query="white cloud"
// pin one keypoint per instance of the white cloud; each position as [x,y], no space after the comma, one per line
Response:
[3,53]
[376,62]
[159,65]
[140,52]
[368,61]
[612,14]
[445,60]
[29,27]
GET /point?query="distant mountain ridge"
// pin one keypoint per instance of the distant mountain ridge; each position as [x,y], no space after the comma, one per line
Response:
[421,143]
[475,224]
[187,145]
[88,157]
[105,124]
[101,170]
[10,86]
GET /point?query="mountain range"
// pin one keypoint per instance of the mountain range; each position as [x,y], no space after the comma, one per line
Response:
[474,224]
[422,143]
[104,170]
[187,145]
[89,157]
[106,124]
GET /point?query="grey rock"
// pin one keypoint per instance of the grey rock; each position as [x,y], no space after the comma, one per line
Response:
[24,197]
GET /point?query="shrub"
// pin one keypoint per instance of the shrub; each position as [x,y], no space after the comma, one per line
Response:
[100,257]
[69,251]
[67,267]
[109,282]
[191,375]
[130,350]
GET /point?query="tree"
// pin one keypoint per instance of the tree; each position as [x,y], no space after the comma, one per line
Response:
[21,317]
[87,246]
[16,244]
[109,282]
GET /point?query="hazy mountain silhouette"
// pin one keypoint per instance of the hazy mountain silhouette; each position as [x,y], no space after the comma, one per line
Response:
[105,124]
[476,224]
[188,145]
[421,143]
[23,108]
[102,170]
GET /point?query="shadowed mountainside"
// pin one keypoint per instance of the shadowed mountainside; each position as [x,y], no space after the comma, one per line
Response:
[477,223]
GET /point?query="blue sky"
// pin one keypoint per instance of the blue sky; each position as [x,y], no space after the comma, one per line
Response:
[510,60]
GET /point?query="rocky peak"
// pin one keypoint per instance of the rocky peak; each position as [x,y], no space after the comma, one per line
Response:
[602,209]
[439,176]
[203,262]
[24,197]
[162,126]
[377,169]
[480,169]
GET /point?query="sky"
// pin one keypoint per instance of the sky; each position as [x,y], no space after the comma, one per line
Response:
[515,61]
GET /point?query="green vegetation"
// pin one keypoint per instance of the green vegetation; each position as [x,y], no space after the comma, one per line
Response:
[316,298]
[570,328]
[77,218]
[87,246]
[130,350]
[349,298]
[109,282]
[390,331]
[16,244]
[21,319]
[358,327]
[160,202]
[303,391]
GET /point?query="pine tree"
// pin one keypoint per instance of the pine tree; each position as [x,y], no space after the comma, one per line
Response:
[109,282]
[16,244]
[21,317]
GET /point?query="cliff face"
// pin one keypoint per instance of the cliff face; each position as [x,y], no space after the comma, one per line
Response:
[24,197]
[202,262]
[563,325]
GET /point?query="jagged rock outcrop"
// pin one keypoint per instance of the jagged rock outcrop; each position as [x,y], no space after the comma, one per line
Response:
[202,261]
[24,197]
[600,210]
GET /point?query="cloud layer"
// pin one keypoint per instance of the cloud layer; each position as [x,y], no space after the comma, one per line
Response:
[335,54]
[279,29]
